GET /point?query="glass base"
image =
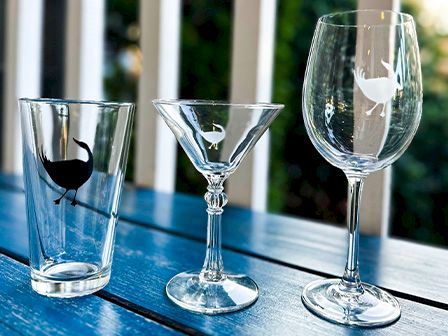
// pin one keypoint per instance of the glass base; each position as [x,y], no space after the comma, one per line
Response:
[191,292]
[372,308]
[69,279]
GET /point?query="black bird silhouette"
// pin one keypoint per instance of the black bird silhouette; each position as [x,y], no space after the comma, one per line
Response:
[69,174]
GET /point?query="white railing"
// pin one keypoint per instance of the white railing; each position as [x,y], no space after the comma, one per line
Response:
[84,49]
[160,44]
[375,204]
[23,40]
[251,80]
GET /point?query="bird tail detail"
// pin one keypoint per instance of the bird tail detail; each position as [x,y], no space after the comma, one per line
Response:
[43,158]
[359,75]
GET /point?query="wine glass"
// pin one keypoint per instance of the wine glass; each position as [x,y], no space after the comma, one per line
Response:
[362,102]
[216,136]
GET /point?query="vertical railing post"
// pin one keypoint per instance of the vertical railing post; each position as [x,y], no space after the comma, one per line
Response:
[375,204]
[84,56]
[251,81]
[160,43]
[84,49]
[22,72]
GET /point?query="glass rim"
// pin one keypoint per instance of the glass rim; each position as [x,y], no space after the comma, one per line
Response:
[75,101]
[407,18]
[204,102]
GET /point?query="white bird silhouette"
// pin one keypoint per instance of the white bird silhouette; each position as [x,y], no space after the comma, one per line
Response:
[329,112]
[379,90]
[214,137]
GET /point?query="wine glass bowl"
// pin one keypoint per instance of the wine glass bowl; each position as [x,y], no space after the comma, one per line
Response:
[362,101]
[372,107]
[216,136]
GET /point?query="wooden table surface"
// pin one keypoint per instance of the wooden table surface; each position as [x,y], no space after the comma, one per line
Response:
[160,235]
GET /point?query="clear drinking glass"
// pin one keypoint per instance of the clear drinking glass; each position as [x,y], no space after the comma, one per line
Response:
[74,161]
[362,102]
[216,137]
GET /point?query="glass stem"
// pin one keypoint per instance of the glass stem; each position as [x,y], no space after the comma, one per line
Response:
[213,269]
[351,281]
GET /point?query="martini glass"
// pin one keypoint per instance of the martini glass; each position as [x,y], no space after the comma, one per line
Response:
[216,136]
[362,102]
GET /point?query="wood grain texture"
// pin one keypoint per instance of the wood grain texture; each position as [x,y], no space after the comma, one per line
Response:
[390,263]
[24,312]
[151,258]
[145,259]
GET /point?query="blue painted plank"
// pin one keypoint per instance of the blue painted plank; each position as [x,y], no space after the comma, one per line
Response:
[390,263]
[278,311]
[11,181]
[24,312]
[146,259]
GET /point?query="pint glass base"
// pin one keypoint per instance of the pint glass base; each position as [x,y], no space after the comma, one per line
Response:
[69,279]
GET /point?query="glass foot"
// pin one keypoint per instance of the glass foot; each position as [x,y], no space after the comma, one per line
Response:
[191,292]
[374,307]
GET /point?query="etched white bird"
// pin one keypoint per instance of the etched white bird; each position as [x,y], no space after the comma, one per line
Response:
[379,90]
[214,137]
[329,112]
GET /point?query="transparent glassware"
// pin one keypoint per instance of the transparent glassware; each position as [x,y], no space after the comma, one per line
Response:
[216,136]
[362,102]
[74,162]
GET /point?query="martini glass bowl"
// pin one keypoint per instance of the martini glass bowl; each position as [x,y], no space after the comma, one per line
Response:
[216,136]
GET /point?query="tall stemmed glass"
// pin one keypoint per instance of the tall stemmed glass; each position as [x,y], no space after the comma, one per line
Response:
[216,136]
[362,99]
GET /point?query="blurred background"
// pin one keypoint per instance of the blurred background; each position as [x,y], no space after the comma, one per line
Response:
[301,182]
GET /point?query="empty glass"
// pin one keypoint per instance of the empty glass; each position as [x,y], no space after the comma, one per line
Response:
[216,136]
[74,161]
[362,102]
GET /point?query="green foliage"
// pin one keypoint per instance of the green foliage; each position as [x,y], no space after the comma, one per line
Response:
[205,69]
[119,83]
[301,181]
[420,176]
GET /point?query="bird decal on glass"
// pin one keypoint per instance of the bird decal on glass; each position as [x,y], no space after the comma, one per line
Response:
[69,174]
[379,90]
[214,137]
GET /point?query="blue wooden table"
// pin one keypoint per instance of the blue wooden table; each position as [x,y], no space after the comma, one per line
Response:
[159,235]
